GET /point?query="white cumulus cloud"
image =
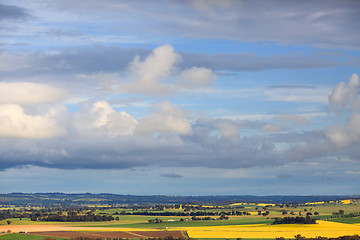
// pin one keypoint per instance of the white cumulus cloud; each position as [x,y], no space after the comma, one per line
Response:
[149,76]
[196,77]
[15,123]
[167,118]
[346,98]
[102,118]
[156,75]
[346,95]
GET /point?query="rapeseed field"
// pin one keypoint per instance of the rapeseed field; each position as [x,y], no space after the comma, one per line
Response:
[323,228]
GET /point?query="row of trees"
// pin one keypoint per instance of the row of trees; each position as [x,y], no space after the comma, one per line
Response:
[346,237]
[77,218]
[295,220]
[72,217]
[4,214]
[297,237]
[158,238]
[185,214]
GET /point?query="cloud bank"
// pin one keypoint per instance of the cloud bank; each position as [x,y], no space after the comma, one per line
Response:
[99,137]
[323,23]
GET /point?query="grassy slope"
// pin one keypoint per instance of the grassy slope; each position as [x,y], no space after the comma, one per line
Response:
[19,236]
[346,220]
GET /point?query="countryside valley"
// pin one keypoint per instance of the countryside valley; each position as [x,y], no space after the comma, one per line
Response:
[108,216]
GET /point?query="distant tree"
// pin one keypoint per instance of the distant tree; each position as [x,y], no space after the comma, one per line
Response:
[341,212]
[223,216]
[8,222]
[299,237]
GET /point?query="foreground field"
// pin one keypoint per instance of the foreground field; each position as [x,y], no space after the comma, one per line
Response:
[323,228]
[112,234]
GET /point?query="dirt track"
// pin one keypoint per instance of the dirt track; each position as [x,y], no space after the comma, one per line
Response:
[43,228]
[115,234]
[66,231]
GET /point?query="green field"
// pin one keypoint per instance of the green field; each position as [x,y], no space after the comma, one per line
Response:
[346,220]
[19,236]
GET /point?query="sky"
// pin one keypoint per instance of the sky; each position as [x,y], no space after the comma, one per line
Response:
[192,97]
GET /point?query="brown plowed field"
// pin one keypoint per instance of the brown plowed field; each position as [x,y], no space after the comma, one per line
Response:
[105,235]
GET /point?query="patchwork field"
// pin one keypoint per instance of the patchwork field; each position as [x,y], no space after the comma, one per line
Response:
[334,219]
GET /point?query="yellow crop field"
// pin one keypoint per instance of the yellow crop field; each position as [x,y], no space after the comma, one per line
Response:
[323,228]
[314,203]
[210,206]
[236,204]
[255,204]
[346,201]
[265,204]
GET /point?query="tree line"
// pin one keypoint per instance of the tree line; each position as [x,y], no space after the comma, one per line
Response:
[151,238]
[294,220]
[185,214]
[71,216]
[297,237]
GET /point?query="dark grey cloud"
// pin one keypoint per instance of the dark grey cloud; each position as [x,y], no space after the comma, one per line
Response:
[323,23]
[289,22]
[73,61]
[290,86]
[89,60]
[171,175]
[201,149]
[10,12]
[284,176]
[306,153]
[253,62]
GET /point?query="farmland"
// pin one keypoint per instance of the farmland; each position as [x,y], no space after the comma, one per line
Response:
[247,220]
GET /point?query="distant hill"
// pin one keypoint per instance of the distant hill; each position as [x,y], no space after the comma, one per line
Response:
[109,199]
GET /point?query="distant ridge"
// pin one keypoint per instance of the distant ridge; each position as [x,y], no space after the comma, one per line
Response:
[19,198]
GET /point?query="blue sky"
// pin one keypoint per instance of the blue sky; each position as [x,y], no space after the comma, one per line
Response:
[195,97]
